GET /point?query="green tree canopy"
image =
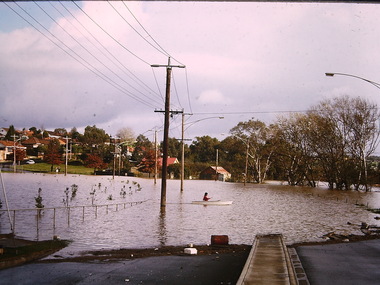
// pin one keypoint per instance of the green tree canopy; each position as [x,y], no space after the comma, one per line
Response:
[94,136]
[204,149]
[10,133]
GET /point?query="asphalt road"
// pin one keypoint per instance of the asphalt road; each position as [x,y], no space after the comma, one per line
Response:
[200,269]
[354,263]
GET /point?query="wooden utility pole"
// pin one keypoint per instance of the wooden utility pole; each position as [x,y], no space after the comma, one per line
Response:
[216,167]
[155,157]
[183,151]
[66,154]
[166,129]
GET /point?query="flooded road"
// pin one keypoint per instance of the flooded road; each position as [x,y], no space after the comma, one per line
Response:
[300,214]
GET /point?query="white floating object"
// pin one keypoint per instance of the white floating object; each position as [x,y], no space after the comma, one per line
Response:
[190,250]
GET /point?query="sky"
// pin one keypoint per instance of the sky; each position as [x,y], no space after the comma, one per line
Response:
[64,65]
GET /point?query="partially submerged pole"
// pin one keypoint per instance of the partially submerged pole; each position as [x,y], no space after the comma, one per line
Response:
[6,201]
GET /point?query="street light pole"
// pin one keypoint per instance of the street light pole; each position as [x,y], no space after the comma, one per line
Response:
[66,156]
[331,74]
[377,85]
[155,157]
[14,153]
[183,144]
[166,129]
[183,151]
[216,167]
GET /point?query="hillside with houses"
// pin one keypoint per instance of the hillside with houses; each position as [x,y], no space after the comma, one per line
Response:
[107,155]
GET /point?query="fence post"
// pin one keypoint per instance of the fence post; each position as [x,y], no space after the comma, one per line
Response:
[14,222]
[38,223]
[68,216]
[54,218]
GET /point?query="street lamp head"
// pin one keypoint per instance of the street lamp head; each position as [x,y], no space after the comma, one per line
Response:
[330,74]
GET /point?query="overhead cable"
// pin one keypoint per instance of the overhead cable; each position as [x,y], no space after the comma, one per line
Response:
[89,52]
[111,57]
[77,57]
[108,34]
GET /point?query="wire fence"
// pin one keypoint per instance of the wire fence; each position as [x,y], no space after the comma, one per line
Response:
[52,218]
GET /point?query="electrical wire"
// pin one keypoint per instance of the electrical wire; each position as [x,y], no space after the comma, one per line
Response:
[125,20]
[163,50]
[248,112]
[188,91]
[176,92]
[150,36]
[108,34]
[111,57]
[77,57]
[89,52]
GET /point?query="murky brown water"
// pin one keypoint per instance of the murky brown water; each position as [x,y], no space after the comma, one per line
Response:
[300,214]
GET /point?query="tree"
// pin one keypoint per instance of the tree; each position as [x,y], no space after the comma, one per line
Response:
[147,164]
[174,147]
[344,134]
[53,153]
[331,142]
[74,134]
[36,132]
[204,149]
[20,154]
[141,147]
[93,136]
[294,152]
[257,136]
[232,156]
[45,134]
[94,161]
[60,132]
[10,133]
[126,135]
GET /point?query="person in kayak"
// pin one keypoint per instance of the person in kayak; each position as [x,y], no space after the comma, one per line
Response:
[205,197]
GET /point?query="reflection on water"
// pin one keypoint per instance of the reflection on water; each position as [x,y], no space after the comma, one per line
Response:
[300,214]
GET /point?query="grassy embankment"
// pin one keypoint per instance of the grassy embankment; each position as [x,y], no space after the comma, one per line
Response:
[16,251]
[46,168]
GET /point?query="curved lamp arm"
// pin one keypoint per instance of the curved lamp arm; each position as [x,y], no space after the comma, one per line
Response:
[331,74]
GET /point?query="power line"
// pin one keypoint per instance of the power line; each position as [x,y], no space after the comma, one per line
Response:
[77,57]
[111,57]
[188,91]
[125,20]
[88,51]
[149,35]
[248,112]
[176,92]
[108,34]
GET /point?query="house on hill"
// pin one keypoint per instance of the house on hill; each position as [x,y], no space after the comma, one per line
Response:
[170,161]
[6,149]
[3,132]
[147,165]
[215,173]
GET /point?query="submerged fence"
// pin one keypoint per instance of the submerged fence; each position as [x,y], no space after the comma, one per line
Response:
[51,218]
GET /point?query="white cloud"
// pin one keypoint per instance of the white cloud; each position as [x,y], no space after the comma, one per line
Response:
[213,97]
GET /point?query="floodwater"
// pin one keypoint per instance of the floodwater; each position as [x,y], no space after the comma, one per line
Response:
[300,214]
